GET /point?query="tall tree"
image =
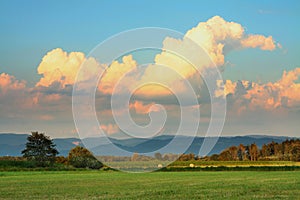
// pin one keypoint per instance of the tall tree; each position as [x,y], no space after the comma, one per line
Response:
[242,152]
[229,154]
[40,149]
[264,152]
[253,152]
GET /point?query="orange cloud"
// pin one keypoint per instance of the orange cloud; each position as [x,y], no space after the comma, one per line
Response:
[229,88]
[8,82]
[288,78]
[40,98]
[110,129]
[284,93]
[76,143]
[254,41]
[142,108]
[115,73]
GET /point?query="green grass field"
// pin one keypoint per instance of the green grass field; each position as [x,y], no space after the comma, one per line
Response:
[157,185]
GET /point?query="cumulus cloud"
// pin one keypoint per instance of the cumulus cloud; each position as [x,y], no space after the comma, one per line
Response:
[229,88]
[214,36]
[216,33]
[284,93]
[260,41]
[59,66]
[16,98]
[9,82]
[13,93]
[115,72]
[21,104]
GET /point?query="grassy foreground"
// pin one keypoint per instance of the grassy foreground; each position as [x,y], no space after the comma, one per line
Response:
[157,185]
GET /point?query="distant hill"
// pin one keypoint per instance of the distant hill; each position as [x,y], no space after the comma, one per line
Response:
[144,145]
[12,144]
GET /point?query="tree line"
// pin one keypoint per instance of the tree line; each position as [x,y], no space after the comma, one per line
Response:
[289,150]
[41,150]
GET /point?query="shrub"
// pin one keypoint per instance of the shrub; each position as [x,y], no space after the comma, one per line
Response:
[61,160]
[80,157]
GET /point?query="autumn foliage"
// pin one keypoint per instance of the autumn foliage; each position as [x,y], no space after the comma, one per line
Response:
[288,150]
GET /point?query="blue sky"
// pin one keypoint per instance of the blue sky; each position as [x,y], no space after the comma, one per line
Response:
[31,29]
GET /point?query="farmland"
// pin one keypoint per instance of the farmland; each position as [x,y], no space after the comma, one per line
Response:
[205,165]
[155,185]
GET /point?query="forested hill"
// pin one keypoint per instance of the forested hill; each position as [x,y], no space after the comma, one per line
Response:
[12,144]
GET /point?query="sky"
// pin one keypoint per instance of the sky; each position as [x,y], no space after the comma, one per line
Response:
[255,45]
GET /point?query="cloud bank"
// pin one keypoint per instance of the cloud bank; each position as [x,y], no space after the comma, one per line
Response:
[50,98]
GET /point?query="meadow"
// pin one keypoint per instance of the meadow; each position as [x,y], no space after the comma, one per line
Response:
[156,185]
